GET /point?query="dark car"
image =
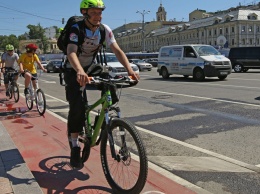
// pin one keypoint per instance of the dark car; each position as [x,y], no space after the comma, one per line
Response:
[153,61]
[244,58]
[54,66]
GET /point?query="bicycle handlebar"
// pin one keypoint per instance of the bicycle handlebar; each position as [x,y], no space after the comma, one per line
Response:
[98,80]
[124,79]
[9,70]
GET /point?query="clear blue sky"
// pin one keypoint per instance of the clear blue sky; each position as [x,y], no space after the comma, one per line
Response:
[15,15]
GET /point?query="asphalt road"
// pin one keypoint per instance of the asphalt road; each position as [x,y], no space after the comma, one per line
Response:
[204,132]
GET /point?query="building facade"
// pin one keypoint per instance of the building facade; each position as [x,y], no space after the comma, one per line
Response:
[235,27]
[52,46]
[129,36]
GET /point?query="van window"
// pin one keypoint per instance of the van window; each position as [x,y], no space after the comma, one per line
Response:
[189,52]
[171,52]
[206,50]
[253,53]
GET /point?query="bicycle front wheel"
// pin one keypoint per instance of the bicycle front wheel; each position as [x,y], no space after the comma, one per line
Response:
[40,102]
[126,172]
[29,101]
[15,91]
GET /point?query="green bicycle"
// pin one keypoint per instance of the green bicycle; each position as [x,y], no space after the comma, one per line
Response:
[122,152]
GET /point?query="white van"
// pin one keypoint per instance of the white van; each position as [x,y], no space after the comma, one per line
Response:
[196,60]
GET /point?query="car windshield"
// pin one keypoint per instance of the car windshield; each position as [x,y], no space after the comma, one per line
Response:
[206,50]
[137,61]
[111,58]
[57,62]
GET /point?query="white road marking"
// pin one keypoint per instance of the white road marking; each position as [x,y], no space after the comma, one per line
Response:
[228,159]
[199,97]
[60,110]
[51,100]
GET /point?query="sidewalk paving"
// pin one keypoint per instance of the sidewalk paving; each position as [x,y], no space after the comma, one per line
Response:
[34,156]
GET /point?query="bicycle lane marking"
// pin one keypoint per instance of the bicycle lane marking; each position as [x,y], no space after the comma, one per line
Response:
[159,170]
[228,159]
[36,132]
[216,155]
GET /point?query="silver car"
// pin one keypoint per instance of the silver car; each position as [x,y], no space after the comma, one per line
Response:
[142,65]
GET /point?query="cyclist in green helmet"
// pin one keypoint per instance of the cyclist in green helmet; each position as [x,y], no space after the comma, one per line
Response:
[77,65]
[8,60]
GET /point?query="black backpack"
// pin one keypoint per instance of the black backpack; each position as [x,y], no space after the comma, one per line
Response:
[62,41]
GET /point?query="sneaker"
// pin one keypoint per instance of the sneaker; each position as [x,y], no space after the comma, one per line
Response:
[75,160]
[26,91]
[7,93]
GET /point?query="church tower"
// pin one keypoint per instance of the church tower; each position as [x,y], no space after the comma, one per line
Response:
[161,13]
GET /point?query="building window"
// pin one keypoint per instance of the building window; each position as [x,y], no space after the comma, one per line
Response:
[215,32]
[209,32]
[232,42]
[250,41]
[226,30]
[233,29]
[250,29]
[220,31]
[243,29]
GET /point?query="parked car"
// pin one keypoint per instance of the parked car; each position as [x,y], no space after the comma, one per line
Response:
[44,63]
[142,65]
[244,58]
[115,68]
[54,66]
[153,61]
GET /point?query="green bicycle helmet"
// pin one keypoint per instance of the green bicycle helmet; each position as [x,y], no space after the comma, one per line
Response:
[9,47]
[86,4]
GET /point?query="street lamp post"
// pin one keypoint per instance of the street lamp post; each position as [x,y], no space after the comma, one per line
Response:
[143,13]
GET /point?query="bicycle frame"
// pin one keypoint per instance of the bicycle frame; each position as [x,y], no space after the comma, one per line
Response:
[106,102]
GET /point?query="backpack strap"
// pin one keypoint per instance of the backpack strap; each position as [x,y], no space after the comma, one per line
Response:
[82,33]
[103,34]
[101,45]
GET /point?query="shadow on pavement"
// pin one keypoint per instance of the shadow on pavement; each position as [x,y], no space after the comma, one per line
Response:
[58,174]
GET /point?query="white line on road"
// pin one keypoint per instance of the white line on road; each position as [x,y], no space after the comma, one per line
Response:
[199,97]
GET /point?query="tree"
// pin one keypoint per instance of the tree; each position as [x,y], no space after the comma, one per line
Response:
[37,32]
[11,39]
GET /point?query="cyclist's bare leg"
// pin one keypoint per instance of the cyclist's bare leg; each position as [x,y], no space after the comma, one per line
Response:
[27,79]
[34,84]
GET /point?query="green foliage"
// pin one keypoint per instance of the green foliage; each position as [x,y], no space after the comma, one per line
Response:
[37,32]
[11,39]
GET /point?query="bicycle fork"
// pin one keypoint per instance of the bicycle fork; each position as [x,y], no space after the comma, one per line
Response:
[110,135]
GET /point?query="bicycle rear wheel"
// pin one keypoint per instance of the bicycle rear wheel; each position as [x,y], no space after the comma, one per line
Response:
[40,102]
[15,91]
[127,172]
[10,93]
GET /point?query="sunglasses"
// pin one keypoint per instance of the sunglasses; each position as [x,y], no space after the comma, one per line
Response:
[10,51]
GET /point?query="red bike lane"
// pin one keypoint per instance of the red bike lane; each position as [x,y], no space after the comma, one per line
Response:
[42,142]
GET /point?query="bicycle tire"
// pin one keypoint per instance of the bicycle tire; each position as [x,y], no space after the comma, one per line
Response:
[117,171]
[10,94]
[15,91]
[29,101]
[40,102]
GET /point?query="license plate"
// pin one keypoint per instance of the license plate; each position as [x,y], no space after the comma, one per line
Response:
[223,73]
